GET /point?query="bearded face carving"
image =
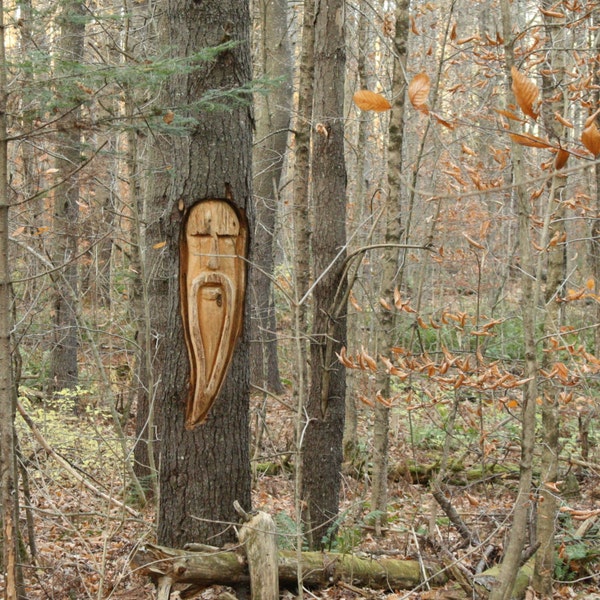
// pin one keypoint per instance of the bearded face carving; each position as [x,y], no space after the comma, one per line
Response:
[212,289]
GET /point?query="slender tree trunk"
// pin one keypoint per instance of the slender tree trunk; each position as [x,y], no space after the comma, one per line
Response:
[8,491]
[272,126]
[322,451]
[555,278]
[391,276]
[518,532]
[65,372]
[302,137]
[202,470]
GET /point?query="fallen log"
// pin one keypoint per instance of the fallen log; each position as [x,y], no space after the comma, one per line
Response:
[320,569]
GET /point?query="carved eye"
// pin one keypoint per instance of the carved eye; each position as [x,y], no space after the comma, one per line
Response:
[219,300]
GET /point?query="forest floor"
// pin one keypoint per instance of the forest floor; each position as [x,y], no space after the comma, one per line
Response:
[83,545]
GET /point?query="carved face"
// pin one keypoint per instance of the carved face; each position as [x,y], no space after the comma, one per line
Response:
[213,281]
[212,235]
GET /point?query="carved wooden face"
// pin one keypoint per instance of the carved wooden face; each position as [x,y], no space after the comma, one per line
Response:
[213,281]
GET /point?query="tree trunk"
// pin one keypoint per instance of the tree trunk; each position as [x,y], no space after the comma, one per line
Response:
[272,126]
[391,276]
[65,373]
[8,491]
[554,225]
[322,450]
[516,542]
[202,470]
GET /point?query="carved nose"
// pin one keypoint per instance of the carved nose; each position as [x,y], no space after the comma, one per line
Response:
[213,261]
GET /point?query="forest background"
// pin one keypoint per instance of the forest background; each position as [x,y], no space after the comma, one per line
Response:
[424,278]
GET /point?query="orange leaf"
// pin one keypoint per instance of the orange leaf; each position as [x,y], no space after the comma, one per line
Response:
[563,121]
[422,323]
[159,245]
[413,26]
[473,242]
[526,139]
[418,91]
[367,100]
[552,13]
[365,400]
[508,114]
[443,122]
[472,500]
[385,304]
[526,93]
[354,302]
[590,138]
[168,117]
[590,283]
[562,156]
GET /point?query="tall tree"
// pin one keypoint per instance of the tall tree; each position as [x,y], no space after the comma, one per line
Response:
[514,547]
[272,124]
[65,373]
[322,451]
[203,470]
[389,277]
[554,228]
[7,397]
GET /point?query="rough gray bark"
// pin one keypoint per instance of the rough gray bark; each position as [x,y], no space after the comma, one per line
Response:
[65,373]
[272,112]
[202,471]
[322,450]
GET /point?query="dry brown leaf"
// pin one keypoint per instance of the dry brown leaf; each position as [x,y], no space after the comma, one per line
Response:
[472,242]
[526,139]
[453,32]
[508,114]
[418,91]
[368,100]
[443,122]
[563,121]
[526,93]
[590,138]
[562,156]
[413,26]
[552,13]
[168,117]
[354,302]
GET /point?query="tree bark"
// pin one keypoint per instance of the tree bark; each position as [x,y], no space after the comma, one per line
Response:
[391,276]
[203,470]
[272,127]
[322,450]
[8,488]
[516,541]
[65,372]
[554,225]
